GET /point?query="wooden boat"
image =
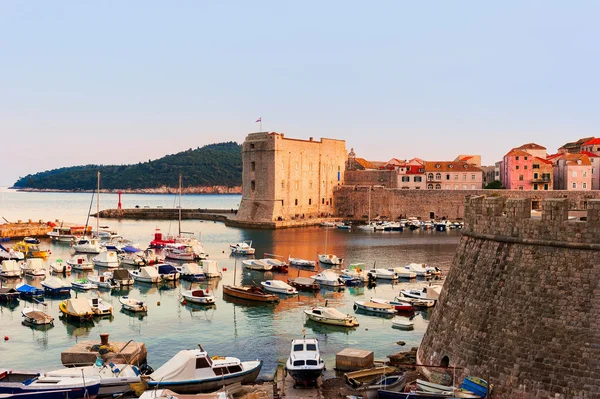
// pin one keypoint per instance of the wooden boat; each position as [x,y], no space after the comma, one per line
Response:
[168,394]
[34,267]
[132,304]
[8,294]
[304,363]
[398,305]
[403,323]
[55,286]
[10,268]
[332,316]
[36,317]
[479,386]
[198,296]
[29,291]
[32,385]
[30,250]
[58,266]
[257,264]
[80,262]
[76,308]
[250,293]
[193,371]
[388,382]
[358,378]
[278,287]
[373,307]
[304,284]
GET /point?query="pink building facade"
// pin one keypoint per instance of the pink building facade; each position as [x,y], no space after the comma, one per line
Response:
[517,170]
[572,172]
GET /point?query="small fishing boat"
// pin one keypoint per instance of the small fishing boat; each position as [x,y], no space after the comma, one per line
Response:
[388,382]
[373,307]
[304,363]
[25,384]
[150,257]
[191,272]
[193,371]
[250,293]
[80,262]
[121,277]
[168,394]
[383,274]
[34,267]
[34,317]
[77,308]
[328,278]
[330,259]
[9,295]
[355,271]
[416,268]
[167,272]
[427,293]
[87,245]
[180,251]
[256,264]
[405,273]
[55,286]
[304,284]
[360,377]
[100,307]
[299,262]
[31,240]
[344,226]
[104,280]
[477,384]
[332,316]
[278,287]
[146,274]
[403,323]
[211,268]
[132,304]
[67,233]
[107,259]
[29,291]
[58,266]
[159,241]
[10,268]
[198,296]
[328,223]
[11,254]
[398,305]
[242,248]
[131,256]
[30,250]
[83,285]
[276,264]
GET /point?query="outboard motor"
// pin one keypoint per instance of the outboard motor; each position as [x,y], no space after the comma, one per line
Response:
[145,369]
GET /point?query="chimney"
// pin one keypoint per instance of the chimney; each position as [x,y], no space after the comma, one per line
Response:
[310,139]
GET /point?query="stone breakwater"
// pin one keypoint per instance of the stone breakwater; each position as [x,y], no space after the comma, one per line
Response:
[158,190]
[520,303]
[27,229]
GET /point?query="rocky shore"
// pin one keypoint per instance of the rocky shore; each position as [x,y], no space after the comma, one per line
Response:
[158,190]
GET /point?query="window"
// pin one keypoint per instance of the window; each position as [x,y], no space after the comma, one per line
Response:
[310,201]
[323,201]
[202,362]
[236,368]
[298,362]
[464,177]
[535,186]
[520,187]
[438,186]
[447,176]
[517,157]
[311,347]
[296,201]
[438,176]
[298,347]
[310,185]
[525,167]
[574,185]
[253,166]
[583,185]
[430,176]
[456,176]
[417,179]
[574,174]
[517,167]
[525,158]
[472,177]
[220,370]
[584,174]
[546,187]
[252,185]
[330,201]
[311,362]
[430,186]
[283,184]
[405,179]
[251,146]
[535,175]
[536,166]
[520,177]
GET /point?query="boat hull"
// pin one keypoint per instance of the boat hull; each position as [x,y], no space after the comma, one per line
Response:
[209,384]
[306,376]
[330,321]
[241,293]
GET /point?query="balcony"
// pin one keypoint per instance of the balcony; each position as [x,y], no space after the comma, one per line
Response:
[542,179]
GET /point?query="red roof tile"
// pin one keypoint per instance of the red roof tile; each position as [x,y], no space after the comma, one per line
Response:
[531,146]
[589,154]
[517,152]
[592,142]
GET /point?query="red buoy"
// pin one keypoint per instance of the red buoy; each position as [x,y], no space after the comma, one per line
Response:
[6,337]
[224,269]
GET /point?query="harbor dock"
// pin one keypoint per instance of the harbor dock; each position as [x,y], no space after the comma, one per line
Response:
[85,353]
[24,229]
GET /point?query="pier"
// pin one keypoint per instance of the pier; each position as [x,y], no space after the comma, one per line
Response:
[24,229]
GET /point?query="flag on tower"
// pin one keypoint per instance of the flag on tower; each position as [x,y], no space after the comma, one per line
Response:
[259,120]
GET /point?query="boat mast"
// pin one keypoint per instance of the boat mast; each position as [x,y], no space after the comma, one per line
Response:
[180,204]
[370,188]
[98,208]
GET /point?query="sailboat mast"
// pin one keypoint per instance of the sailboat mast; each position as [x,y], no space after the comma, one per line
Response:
[180,204]
[98,207]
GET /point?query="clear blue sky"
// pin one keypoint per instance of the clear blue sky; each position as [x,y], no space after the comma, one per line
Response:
[117,82]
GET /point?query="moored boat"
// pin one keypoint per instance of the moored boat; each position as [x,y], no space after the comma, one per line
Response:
[83,285]
[10,268]
[106,258]
[58,266]
[29,291]
[388,382]
[427,293]
[80,262]
[86,245]
[131,256]
[332,316]
[104,280]
[193,371]
[34,267]
[257,264]
[373,307]
[211,268]
[403,323]
[180,251]
[328,278]
[11,254]
[383,274]
[55,286]
[146,274]
[8,295]
[304,284]
[76,308]
[191,272]
[31,240]
[33,385]
[416,268]
[30,250]
[121,277]
[330,259]
[279,287]
[198,296]
[276,264]
[167,272]
[401,272]
[304,363]
[100,308]
[242,248]
[132,304]
[251,293]
[35,317]
[299,262]
[398,305]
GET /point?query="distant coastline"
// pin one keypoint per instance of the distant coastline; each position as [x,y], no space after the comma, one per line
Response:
[158,190]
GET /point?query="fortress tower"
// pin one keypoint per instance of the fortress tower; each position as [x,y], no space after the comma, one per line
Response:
[289,179]
[521,304]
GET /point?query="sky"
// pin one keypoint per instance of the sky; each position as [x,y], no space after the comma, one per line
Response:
[119,82]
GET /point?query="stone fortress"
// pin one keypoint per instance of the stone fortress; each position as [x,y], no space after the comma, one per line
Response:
[521,302]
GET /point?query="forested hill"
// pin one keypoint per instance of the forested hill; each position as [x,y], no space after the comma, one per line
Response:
[212,165]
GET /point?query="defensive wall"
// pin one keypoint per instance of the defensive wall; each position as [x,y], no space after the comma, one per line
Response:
[353,202]
[520,304]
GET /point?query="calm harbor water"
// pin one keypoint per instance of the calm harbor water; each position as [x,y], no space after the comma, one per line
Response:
[231,328]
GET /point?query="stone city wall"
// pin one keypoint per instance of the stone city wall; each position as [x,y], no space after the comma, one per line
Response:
[519,306]
[352,202]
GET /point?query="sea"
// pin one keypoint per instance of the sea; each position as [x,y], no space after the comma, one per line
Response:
[233,328]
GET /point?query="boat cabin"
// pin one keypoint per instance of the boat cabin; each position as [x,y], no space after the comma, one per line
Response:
[305,352]
[193,364]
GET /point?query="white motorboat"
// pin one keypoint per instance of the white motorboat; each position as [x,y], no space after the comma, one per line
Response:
[146,274]
[80,262]
[403,323]
[400,306]
[257,264]
[168,394]
[66,233]
[34,267]
[58,266]
[180,251]
[278,287]
[55,286]
[330,259]
[328,278]
[115,379]
[419,303]
[11,254]
[198,296]
[355,271]
[131,256]
[367,227]
[417,268]
[150,257]
[25,384]
[194,243]
[374,307]
[104,280]
[332,316]
[276,264]
[402,272]
[83,285]
[36,317]
[100,307]
[86,245]
[211,268]
[193,371]
[299,262]
[304,363]
[10,268]
[191,271]
[383,274]
[106,258]
[242,248]
[121,277]
[427,293]
[132,304]
[167,272]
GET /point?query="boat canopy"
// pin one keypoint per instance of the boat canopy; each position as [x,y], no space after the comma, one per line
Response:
[210,266]
[34,264]
[182,366]
[130,249]
[148,271]
[166,269]
[9,265]
[55,283]
[331,313]
[121,274]
[191,268]
[26,288]
[79,306]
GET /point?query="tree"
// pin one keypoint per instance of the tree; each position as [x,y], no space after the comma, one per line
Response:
[495,185]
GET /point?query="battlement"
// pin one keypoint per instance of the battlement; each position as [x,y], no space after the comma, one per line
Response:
[511,217]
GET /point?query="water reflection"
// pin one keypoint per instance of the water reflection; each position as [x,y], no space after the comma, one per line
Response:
[324,329]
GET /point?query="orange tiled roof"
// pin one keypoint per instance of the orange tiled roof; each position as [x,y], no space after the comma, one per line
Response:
[546,161]
[573,159]
[592,142]
[589,154]
[364,163]
[450,166]
[517,152]
[531,146]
